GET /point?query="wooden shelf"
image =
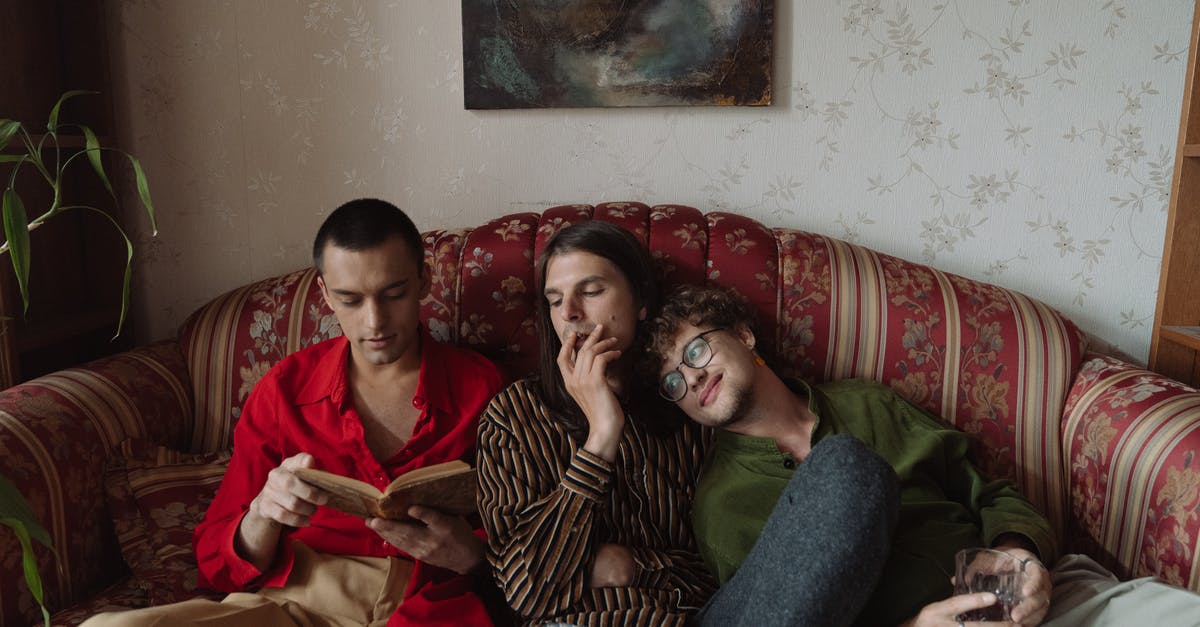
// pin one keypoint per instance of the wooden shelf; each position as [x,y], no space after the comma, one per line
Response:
[1175,343]
[1184,336]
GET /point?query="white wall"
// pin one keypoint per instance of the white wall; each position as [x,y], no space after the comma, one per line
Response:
[1025,143]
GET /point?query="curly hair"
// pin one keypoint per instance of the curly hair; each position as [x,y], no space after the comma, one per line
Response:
[699,306]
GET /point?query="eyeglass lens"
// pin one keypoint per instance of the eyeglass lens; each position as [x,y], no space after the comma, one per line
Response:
[696,354]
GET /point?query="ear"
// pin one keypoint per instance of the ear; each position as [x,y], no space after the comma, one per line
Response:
[642,313]
[426,280]
[742,331]
[324,291]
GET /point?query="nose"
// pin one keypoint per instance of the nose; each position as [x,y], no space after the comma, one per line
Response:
[375,315]
[693,376]
[570,310]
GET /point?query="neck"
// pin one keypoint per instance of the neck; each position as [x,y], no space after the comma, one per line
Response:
[362,371]
[779,414]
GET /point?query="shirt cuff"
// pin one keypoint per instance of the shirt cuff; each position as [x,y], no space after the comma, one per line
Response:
[281,568]
[650,565]
[589,475]
[241,571]
[1044,553]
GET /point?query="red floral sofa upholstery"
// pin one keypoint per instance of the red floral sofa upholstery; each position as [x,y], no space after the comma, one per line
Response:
[118,457]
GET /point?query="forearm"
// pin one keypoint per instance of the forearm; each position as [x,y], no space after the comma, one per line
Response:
[1004,514]
[1010,521]
[226,560]
[221,562]
[540,544]
[257,539]
[675,569]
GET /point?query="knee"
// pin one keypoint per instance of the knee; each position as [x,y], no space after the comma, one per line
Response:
[853,467]
[853,458]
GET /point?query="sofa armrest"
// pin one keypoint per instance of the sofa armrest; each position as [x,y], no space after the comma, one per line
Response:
[1131,439]
[55,435]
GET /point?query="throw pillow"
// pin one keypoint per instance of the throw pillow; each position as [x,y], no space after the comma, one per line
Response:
[156,497]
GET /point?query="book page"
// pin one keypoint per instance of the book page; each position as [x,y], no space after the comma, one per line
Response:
[352,496]
[428,473]
[452,493]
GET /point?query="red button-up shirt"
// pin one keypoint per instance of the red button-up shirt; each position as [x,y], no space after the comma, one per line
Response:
[304,404]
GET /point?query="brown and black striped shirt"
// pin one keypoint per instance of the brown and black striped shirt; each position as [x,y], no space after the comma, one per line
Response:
[547,504]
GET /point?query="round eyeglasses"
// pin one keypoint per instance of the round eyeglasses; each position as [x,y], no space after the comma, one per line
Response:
[696,354]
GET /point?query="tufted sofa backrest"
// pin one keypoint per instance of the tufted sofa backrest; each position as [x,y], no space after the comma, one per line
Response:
[993,362]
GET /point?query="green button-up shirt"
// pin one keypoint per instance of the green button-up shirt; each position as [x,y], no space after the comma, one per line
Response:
[946,504]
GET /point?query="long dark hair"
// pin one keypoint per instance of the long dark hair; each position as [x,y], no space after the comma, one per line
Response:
[630,257]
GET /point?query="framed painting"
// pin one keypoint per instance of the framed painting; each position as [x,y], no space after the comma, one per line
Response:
[616,53]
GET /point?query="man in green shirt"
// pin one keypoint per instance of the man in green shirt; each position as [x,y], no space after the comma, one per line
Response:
[702,352]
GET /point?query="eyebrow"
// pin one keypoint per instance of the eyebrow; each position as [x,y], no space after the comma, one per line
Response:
[595,278]
[390,286]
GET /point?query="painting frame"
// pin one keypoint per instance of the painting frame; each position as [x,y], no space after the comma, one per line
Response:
[521,54]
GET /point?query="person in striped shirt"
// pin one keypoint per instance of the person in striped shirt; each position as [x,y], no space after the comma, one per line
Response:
[585,501]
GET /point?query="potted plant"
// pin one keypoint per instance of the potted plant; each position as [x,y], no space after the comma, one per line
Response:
[45,153]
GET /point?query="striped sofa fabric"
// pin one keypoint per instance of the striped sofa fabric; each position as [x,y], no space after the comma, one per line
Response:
[1104,448]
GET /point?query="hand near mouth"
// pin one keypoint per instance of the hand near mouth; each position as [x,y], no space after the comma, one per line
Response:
[584,371]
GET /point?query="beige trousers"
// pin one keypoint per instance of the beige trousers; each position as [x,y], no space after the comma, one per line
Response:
[321,591]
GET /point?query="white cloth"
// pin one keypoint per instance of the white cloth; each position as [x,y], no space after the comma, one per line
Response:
[1086,594]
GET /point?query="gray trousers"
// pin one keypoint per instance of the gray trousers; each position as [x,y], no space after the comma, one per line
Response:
[822,550]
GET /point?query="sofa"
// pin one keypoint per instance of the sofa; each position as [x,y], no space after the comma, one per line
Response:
[119,457]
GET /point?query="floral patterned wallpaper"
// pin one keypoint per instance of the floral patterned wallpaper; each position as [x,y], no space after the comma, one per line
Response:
[1028,144]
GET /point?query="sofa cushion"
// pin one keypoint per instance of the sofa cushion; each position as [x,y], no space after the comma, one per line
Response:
[123,595]
[1131,438]
[156,497]
[55,433]
[231,342]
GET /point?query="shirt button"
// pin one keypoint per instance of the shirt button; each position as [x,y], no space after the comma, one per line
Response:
[789,463]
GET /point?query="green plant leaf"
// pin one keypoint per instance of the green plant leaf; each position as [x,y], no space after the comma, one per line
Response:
[52,125]
[8,128]
[125,282]
[143,188]
[92,146]
[29,561]
[128,265]
[16,229]
[16,514]
[13,505]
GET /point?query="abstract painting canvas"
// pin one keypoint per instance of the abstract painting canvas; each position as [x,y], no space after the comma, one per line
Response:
[616,53]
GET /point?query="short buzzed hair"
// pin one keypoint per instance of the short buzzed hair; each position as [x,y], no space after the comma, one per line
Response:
[366,223]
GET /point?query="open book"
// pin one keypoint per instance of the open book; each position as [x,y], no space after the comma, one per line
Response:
[448,487]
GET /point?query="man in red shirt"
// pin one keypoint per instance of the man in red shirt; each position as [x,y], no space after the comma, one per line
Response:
[380,401]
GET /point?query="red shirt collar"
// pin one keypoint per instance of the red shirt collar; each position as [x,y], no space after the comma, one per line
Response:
[433,386]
